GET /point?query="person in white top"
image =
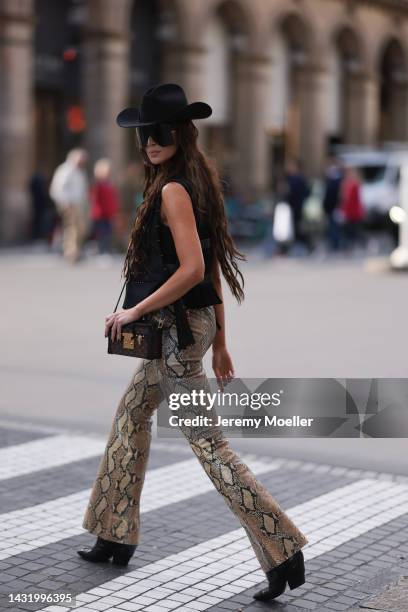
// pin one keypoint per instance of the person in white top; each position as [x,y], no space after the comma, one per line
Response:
[70,191]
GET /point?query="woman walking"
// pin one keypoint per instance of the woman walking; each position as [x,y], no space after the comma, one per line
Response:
[181,224]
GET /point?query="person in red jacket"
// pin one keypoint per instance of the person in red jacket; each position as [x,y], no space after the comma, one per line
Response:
[104,204]
[352,209]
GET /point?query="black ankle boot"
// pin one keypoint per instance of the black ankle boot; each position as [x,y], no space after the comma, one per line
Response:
[103,550]
[291,571]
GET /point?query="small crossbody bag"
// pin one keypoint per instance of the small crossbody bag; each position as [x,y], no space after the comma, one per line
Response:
[141,338]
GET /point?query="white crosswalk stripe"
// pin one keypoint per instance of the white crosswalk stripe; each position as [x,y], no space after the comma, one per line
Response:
[54,520]
[45,453]
[210,572]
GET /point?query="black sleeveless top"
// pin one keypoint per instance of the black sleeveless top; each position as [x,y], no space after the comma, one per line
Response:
[162,262]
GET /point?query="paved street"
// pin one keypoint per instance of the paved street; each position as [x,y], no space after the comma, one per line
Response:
[60,389]
[193,554]
[334,318]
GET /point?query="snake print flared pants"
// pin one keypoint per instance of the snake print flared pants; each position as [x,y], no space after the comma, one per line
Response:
[113,511]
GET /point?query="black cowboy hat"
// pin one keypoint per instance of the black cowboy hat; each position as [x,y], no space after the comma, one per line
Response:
[163,104]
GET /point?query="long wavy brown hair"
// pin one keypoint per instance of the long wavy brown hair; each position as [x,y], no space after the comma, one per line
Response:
[190,161]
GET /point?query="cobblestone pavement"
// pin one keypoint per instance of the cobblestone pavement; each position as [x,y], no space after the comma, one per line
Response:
[193,553]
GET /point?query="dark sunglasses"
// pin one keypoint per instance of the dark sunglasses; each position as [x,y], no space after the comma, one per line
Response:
[160,132]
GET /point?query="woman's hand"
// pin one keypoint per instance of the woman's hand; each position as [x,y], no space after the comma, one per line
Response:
[222,366]
[117,319]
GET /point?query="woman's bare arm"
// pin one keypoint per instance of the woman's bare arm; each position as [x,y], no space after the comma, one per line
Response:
[219,338]
[221,359]
[178,211]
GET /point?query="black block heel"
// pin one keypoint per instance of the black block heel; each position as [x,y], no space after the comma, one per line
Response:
[296,581]
[122,557]
[296,578]
[296,571]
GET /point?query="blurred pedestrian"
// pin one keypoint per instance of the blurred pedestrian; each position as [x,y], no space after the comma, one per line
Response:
[43,213]
[297,192]
[282,230]
[70,191]
[104,205]
[352,209]
[331,199]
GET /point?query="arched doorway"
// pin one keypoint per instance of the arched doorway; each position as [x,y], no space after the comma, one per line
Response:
[289,53]
[225,41]
[344,69]
[393,93]
[58,111]
[153,35]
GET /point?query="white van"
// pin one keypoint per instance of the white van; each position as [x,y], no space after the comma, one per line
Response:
[379,172]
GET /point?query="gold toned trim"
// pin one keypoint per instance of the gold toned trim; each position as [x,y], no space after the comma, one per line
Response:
[128,340]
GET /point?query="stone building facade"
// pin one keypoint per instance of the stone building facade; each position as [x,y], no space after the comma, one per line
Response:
[284,77]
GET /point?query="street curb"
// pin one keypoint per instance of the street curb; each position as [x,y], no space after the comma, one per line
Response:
[393,599]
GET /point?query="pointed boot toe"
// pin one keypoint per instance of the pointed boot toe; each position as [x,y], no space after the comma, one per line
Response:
[101,552]
[291,571]
[275,588]
[89,555]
